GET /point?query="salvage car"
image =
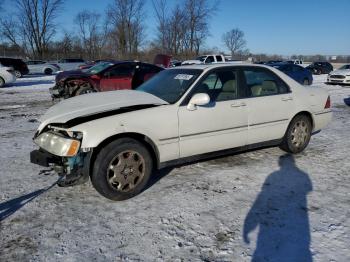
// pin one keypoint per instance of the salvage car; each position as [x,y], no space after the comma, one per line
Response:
[42,67]
[7,75]
[181,115]
[104,76]
[340,76]
[298,73]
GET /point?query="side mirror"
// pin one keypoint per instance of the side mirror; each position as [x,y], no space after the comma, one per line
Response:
[199,99]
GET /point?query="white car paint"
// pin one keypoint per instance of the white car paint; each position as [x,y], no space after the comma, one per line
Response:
[37,66]
[178,132]
[205,60]
[340,76]
[7,75]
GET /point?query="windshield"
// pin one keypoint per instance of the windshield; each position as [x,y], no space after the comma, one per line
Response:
[171,84]
[344,67]
[98,68]
[201,58]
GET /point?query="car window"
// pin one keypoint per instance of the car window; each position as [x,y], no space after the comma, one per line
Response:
[218,58]
[262,82]
[120,71]
[296,68]
[221,85]
[210,59]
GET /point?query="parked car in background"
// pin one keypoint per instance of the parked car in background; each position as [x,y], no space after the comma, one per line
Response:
[70,63]
[182,114]
[318,68]
[20,68]
[205,59]
[104,76]
[298,73]
[295,62]
[42,67]
[7,75]
[340,76]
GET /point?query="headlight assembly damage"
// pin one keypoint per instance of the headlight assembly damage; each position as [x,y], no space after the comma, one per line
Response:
[63,154]
[58,145]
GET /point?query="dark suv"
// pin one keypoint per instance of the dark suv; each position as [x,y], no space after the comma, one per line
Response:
[18,65]
[318,68]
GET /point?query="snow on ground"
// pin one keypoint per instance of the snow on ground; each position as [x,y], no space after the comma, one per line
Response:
[227,209]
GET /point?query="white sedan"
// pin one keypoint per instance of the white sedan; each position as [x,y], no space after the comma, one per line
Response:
[183,114]
[7,75]
[340,76]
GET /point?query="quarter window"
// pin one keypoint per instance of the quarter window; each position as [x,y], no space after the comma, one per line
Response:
[261,82]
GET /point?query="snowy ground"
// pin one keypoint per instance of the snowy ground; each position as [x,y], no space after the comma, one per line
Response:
[197,212]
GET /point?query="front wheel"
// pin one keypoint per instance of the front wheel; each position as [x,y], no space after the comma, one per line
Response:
[298,135]
[122,169]
[85,89]
[48,71]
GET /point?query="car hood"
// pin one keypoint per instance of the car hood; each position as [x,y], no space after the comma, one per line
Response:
[71,73]
[96,103]
[340,72]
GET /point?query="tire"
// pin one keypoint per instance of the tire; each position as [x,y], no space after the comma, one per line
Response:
[298,135]
[2,82]
[86,89]
[306,82]
[122,169]
[18,74]
[48,71]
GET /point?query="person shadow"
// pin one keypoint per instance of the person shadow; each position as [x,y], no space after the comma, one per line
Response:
[280,211]
[10,207]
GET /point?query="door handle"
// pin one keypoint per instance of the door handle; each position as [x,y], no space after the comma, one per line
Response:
[238,104]
[286,98]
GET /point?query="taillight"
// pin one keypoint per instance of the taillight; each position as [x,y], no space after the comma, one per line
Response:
[328,103]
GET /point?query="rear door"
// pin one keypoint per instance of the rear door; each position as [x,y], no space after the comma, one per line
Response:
[271,104]
[223,123]
[118,77]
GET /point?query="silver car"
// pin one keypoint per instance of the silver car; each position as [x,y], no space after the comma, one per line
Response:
[42,67]
[70,63]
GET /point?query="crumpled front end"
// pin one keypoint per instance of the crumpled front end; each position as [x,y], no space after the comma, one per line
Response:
[62,151]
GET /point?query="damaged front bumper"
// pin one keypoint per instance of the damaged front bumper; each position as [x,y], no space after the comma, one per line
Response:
[64,155]
[74,170]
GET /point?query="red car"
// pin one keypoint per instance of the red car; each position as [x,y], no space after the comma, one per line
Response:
[104,76]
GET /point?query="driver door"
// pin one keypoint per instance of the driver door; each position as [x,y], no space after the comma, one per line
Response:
[223,123]
[117,78]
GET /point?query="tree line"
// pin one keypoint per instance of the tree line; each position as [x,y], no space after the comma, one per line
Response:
[181,30]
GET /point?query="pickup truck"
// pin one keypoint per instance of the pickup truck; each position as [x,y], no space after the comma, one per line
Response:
[205,59]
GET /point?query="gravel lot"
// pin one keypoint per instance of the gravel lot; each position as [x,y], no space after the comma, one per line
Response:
[290,208]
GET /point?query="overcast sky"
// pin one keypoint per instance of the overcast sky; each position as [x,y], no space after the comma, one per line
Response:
[283,27]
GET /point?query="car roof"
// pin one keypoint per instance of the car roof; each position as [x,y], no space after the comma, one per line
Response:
[217,65]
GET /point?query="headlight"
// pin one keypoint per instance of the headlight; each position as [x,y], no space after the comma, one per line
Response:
[58,145]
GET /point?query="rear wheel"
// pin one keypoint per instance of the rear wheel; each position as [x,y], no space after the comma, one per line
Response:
[2,82]
[18,74]
[122,169]
[48,71]
[298,135]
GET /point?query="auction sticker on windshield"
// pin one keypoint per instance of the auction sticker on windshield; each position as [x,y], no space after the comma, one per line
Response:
[183,77]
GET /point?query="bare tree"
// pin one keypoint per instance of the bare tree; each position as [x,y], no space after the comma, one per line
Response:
[89,32]
[198,13]
[234,41]
[33,24]
[127,29]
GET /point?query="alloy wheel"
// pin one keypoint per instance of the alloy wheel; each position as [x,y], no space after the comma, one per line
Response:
[299,134]
[126,171]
